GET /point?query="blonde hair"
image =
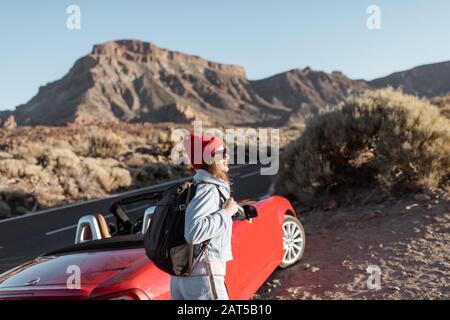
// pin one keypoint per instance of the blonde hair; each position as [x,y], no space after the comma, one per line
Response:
[214,170]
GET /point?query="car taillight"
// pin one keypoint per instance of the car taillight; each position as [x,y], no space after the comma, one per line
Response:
[132,294]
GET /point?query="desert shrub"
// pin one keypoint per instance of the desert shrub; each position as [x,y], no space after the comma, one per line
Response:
[58,159]
[110,178]
[443,103]
[120,178]
[156,172]
[135,159]
[379,140]
[5,210]
[79,143]
[59,165]
[291,133]
[12,167]
[5,155]
[104,144]
[133,141]
[15,203]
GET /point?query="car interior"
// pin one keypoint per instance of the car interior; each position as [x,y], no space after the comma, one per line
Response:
[94,233]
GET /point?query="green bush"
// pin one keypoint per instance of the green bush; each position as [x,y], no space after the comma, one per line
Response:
[381,140]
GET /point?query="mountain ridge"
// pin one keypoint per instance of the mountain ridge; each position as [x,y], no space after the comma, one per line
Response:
[136,81]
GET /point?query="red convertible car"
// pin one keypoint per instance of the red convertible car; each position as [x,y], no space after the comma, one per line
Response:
[109,262]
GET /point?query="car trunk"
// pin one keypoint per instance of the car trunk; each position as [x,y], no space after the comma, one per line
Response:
[61,274]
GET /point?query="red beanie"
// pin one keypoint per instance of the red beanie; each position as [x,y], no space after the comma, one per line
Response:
[195,146]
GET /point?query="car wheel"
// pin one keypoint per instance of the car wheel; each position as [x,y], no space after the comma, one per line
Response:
[293,241]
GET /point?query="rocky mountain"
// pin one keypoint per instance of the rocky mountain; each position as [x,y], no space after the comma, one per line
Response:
[136,81]
[4,116]
[305,91]
[426,81]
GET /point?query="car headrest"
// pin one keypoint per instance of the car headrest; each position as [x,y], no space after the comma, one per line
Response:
[104,230]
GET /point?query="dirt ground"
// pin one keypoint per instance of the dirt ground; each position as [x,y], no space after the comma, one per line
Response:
[408,239]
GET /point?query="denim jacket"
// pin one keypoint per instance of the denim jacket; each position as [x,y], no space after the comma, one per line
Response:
[205,219]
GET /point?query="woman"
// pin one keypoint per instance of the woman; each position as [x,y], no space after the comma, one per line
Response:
[207,217]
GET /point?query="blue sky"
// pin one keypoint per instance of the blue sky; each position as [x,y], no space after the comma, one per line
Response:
[265,37]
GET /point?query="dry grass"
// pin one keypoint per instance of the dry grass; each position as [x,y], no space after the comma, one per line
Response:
[58,165]
[443,103]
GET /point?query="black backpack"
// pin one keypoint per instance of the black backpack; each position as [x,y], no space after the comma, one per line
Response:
[164,240]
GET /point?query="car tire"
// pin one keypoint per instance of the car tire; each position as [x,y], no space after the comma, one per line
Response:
[293,241]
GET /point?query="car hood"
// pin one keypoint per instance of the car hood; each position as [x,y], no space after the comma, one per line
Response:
[91,268]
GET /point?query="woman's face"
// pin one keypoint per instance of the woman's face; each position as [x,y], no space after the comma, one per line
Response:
[221,159]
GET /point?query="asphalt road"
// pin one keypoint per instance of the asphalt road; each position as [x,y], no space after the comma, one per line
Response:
[29,236]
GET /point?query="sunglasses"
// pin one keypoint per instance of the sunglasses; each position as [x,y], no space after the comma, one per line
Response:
[221,153]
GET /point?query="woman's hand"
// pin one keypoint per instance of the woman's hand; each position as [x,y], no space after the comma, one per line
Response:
[230,206]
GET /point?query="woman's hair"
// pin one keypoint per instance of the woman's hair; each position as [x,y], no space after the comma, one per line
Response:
[214,170]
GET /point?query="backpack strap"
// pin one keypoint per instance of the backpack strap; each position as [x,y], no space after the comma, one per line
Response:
[221,195]
[222,199]
[211,276]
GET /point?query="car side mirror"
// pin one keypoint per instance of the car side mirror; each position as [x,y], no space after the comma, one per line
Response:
[250,211]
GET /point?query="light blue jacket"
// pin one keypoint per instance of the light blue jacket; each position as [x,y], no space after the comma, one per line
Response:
[205,219]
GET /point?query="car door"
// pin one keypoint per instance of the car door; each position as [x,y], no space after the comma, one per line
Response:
[255,244]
